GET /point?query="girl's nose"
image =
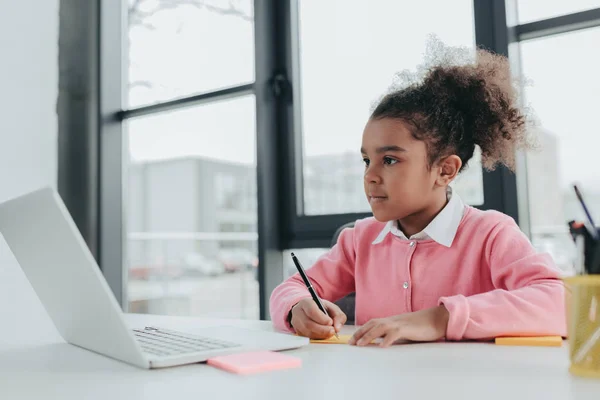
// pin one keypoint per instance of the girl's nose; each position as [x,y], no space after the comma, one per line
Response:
[371,175]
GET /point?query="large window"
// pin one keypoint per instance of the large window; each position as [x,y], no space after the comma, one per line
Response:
[191,214]
[563,71]
[349,53]
[231,131]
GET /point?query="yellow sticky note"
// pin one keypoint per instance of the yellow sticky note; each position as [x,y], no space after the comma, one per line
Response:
[333,340]
[551,341]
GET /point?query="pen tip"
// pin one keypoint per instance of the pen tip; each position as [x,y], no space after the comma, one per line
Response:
[292,253]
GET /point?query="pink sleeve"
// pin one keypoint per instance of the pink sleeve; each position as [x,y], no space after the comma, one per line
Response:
[332,276]
[528,299]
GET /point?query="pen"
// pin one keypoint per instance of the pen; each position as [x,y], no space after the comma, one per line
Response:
[590,221]
[310,288]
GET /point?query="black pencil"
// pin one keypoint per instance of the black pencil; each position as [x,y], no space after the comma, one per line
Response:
[310,288]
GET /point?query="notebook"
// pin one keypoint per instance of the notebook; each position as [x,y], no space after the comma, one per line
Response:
[254,362]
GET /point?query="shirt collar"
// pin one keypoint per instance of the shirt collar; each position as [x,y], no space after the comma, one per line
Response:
[441,229]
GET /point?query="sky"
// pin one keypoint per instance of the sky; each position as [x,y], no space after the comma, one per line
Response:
[532,10]
[349,52]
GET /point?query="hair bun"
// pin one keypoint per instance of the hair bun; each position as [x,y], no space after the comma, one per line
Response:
[459,98]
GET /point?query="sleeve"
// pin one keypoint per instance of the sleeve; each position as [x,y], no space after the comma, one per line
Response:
[528,299]
[332,277]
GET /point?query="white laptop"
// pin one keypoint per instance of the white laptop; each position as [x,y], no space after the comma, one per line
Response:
[49,248]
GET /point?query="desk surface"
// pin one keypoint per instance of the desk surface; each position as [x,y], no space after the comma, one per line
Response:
[56,370]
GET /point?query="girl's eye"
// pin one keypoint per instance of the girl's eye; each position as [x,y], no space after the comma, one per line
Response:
[366,161]
[389,161]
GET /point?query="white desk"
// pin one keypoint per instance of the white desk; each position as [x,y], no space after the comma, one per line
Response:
[56,370]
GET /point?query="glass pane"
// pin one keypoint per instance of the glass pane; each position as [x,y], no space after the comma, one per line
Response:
[567,107]
[349,53]
[307,257]
[469,184]
[191,212]
[180,48]
[535,10]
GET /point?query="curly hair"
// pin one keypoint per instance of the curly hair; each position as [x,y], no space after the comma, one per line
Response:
[455,106]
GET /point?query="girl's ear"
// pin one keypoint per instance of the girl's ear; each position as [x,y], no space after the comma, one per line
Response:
[448,167]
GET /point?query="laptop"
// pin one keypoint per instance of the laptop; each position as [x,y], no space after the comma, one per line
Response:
[57,262]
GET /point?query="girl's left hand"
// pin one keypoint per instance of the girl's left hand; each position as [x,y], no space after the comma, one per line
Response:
[420,326]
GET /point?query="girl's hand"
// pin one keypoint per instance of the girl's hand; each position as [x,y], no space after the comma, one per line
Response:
[420,326]
[308,320]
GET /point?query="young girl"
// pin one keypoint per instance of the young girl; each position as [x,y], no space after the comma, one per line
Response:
[426,266]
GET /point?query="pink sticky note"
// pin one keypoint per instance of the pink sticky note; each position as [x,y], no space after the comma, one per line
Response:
[254,362]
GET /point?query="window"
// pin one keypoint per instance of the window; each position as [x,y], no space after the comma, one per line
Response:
[202,76]
[183,251]
[469,183]
[179,48]
[564,94]
[224,190]
[349,53]
[534,10]
[307,257]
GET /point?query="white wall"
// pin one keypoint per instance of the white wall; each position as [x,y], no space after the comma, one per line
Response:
[28,143]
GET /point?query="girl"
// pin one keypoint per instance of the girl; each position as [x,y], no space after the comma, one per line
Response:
[427,267]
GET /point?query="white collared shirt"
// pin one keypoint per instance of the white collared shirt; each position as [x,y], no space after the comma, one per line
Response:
[442,228]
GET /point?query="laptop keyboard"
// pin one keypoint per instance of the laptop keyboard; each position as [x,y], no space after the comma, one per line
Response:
[163,342]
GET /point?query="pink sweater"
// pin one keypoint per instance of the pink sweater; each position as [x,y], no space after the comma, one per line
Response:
[491,279]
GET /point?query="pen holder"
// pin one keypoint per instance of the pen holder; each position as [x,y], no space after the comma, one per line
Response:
[583,324]
[588,249]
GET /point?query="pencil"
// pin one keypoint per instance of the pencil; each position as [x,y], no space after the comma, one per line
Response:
[310,288]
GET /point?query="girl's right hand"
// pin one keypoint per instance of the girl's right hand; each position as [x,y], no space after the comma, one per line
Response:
[307,320]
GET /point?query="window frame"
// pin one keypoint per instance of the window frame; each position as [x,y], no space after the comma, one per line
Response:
[112,253]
